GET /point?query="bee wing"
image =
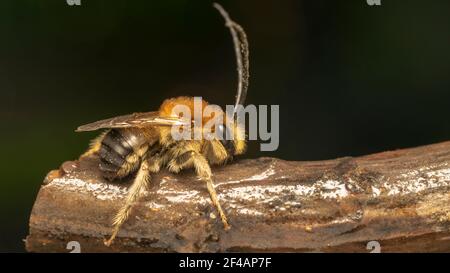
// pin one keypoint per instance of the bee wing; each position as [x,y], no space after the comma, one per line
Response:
[133,120]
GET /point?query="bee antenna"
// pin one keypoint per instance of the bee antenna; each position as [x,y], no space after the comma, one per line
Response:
[241,49]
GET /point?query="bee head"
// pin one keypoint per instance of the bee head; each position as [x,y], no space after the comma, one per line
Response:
[232,137]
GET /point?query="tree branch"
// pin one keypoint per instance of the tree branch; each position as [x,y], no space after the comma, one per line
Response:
[400,199]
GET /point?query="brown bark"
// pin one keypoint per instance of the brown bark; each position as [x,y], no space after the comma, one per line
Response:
[399,198]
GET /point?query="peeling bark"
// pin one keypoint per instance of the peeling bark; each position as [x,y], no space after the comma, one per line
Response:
[399,198]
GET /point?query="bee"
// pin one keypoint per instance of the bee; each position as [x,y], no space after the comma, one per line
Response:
[142,144]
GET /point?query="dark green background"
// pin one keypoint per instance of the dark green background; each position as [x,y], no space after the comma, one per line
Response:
[350,79]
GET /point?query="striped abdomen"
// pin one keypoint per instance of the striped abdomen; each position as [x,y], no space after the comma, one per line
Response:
[117,148]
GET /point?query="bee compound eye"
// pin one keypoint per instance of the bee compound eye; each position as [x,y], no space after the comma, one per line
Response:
[223,133]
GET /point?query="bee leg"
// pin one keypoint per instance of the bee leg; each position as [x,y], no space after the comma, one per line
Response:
[130,166]
[191,158]
[95,145]
[183,161]
[215,152]
[134,192]
[203,171]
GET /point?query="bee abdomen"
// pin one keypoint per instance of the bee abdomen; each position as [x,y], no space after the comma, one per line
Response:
[114,150]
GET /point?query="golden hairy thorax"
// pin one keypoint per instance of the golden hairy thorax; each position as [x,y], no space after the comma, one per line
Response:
[167,107]
[167,110]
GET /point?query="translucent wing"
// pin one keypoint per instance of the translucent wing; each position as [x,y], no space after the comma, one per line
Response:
[133,120]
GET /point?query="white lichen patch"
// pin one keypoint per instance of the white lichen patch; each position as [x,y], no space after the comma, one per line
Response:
[418,180]
[257,177]
[154,205]
[375,191]
[174,196]
[343,220]
[292,203]
[264,175]
[329,189]
[99,190]
[252,212]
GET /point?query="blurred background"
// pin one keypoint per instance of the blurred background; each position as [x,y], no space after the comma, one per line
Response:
[350,78]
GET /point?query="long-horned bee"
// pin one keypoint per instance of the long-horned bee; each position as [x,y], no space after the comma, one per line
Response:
[142,143]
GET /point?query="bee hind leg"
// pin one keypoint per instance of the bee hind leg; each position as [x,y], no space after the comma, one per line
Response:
[135,191]
[95,145]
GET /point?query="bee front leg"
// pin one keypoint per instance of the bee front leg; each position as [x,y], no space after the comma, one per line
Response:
[203,171]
